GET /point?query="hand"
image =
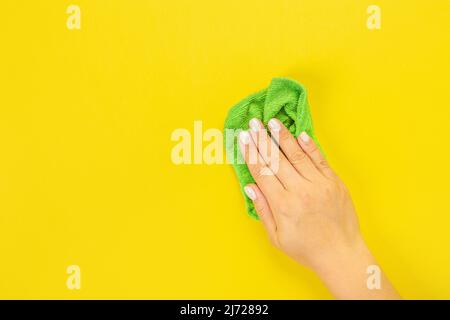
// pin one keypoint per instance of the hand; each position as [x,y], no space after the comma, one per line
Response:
[306,209]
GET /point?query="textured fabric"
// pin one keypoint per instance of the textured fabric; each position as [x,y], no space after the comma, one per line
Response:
[285,100]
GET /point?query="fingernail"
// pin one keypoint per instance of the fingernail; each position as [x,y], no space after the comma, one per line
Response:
[250,192]
[304,137]
[274,125]
[254,125]
[244,137]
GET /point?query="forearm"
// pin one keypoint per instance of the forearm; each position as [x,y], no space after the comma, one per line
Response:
[346,275]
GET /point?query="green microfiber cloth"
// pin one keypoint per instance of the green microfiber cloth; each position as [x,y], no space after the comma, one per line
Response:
[285,100]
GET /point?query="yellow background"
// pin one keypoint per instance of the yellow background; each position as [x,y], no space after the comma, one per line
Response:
[86,117]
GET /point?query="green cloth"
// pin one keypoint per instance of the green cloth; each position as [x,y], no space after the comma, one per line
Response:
[285,100]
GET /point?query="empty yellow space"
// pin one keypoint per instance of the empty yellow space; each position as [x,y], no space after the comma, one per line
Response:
[86,116]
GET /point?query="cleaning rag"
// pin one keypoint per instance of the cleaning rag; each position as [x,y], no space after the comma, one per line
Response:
[284,99]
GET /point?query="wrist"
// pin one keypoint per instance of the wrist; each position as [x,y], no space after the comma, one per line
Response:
[345,274]
[344,259]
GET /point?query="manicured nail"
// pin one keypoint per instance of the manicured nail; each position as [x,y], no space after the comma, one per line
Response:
[274,125]
[255,125]
[304,136]
[244,137]
[250,192]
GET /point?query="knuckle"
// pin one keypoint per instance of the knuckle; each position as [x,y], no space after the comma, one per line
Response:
[313,149]
[323,163]
[260,208]
[332,190]
[265,171]
[284,136]
[258,172]
[307,200]
[297,156]
[337,185]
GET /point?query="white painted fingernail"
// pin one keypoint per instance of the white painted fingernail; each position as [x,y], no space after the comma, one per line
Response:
[244,137]
[304,136]
[254,125]
[274,125]
[250,192]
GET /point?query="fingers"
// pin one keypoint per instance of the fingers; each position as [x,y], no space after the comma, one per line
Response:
[263,210]
[314,153]
[261,173]
[291,148]
[272,155]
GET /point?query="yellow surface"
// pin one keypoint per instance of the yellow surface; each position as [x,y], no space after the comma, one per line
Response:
[86,117]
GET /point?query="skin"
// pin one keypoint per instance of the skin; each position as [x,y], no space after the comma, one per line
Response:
[307,210]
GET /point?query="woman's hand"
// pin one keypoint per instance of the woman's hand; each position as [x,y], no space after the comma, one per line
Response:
[307,210]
